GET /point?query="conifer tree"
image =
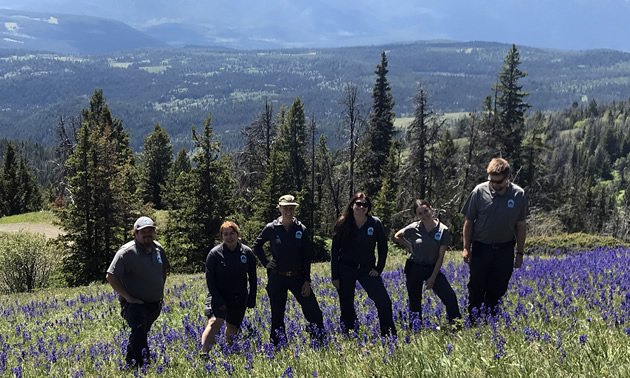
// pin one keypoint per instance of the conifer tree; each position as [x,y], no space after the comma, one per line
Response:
[202,199]
[287,171]
[377,140]
[19,191]
[386,203]
[101,191]
[180,166]
[157,157]
[512,106]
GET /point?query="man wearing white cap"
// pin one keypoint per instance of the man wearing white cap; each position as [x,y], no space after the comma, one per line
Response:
[137,274]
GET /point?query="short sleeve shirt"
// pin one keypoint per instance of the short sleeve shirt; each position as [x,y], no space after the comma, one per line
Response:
[494,215]
[140,271]
[426,243]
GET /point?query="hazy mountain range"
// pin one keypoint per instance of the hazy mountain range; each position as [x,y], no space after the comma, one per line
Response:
[246,24]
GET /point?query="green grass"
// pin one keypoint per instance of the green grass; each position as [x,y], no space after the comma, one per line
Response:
[38,217]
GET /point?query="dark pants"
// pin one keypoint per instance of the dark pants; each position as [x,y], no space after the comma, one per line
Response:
[277,289]
[375,289]
[490,271]
[416,275]
[140,317]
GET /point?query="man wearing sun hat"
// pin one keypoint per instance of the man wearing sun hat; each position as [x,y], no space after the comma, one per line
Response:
[137,274]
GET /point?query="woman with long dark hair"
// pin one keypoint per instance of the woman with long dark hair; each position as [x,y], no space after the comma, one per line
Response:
[357,234]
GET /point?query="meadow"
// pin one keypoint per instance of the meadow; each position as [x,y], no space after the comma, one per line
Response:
[564,315]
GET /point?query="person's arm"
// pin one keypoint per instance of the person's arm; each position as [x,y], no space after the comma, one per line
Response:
[436,269]
[381,240]
[253,282]
[334,260]
[119,288]
[307,257]
[521,234]
[260,253]
[400,240]
[211,280]
[467,235]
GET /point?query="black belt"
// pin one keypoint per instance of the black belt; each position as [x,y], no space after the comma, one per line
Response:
[356,265]
[511,243]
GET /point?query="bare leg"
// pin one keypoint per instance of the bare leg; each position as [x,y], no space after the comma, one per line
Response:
[208,338]
[230,332]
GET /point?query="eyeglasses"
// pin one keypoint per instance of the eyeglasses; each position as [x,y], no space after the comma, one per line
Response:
[361,204]
[496,181]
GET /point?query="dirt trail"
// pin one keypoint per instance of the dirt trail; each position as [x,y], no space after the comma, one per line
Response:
[48,230]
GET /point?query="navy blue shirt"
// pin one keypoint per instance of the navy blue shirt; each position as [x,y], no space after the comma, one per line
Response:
[360,248]
[292,249]
[227,273]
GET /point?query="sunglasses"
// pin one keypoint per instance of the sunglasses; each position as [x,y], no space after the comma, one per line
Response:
[496,181]
[361,204]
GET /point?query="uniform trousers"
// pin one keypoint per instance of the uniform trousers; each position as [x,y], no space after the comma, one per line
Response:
[416,275]
[140,317]
[277,289]
[375,289]
[491,267]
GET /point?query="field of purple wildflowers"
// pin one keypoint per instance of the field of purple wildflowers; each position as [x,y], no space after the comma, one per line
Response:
[564,315]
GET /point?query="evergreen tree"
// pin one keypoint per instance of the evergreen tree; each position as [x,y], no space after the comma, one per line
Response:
[386,203]
[422,133]
[157,157]
[101,188]
[380,132]
[254,158]
[511,105]
[19,191]
[287,171]
[353,122]
[180,166]
[8,183]
[202,199]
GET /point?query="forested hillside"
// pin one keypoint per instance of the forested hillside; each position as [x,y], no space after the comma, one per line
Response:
[179,87]
[571,163]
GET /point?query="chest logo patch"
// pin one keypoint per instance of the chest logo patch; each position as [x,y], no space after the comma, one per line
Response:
[298,234]
[159,257]
[243,259]
[370,231]
[510,204]
[438,236]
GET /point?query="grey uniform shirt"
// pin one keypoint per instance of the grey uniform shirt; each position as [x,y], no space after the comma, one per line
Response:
[426,243]
[140,271]
[494,215]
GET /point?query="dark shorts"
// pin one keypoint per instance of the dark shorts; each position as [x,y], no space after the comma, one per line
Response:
[236,306]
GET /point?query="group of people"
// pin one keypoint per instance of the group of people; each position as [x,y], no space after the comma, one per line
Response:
[494,213]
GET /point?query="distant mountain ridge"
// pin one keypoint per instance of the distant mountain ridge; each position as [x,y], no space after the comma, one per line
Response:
[272,24]
[69,34]
[178,87]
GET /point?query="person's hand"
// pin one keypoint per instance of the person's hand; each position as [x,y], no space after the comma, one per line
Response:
[430,283]
[306,289]
[271,264]
[335,283]
[466,255]
[518,261]
[223,308]
[373,273]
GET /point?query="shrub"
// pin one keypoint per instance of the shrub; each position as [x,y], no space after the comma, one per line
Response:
[563,243]
[27,261]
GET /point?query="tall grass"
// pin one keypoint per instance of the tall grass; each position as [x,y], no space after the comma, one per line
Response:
[562,316]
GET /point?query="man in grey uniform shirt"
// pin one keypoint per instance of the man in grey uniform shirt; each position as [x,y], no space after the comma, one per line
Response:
[495,220]
[137,274]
